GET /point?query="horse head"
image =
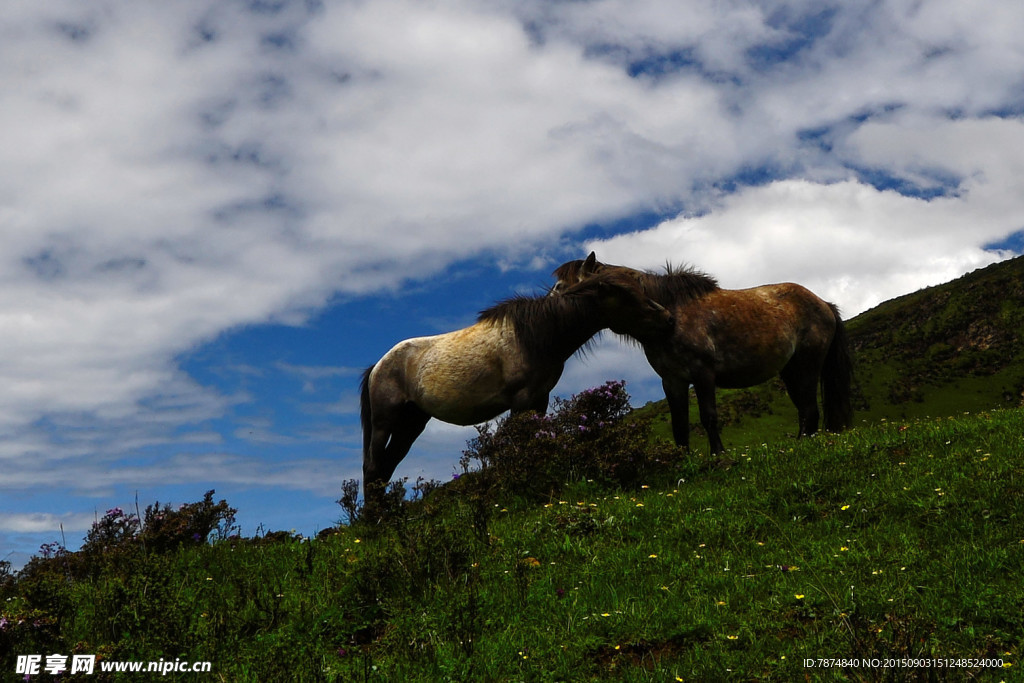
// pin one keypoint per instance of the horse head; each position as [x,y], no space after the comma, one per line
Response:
[574,272]
[624,307]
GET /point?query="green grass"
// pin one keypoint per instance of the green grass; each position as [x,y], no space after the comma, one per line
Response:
[900,540]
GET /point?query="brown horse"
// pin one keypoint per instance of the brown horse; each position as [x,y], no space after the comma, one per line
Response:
[510,359]
[738,338]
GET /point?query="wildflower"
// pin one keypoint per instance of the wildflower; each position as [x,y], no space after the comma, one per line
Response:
[845,507]
[732,637]
[652,556]
[799,596]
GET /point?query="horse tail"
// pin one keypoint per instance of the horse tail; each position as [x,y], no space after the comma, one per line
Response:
[837,379]
[365,414]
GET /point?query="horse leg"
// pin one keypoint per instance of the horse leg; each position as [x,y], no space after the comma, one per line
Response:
[704,386]
[679,408]
[802,386]
[411,424]
[389,444]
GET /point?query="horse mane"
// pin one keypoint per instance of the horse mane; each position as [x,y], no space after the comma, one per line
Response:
[568,270]
[679,283]
[543,323]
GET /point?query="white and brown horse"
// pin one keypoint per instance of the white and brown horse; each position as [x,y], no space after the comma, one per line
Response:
[738,338]
[510,359]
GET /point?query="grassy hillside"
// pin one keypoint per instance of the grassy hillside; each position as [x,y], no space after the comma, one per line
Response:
[898,542]
[945,350]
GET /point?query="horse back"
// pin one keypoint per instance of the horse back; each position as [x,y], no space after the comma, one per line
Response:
[461,377]
[748,335]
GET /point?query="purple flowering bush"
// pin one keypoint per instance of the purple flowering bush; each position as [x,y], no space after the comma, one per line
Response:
[591,436]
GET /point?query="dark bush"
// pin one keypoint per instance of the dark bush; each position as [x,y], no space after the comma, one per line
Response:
[166,529]
[590,436]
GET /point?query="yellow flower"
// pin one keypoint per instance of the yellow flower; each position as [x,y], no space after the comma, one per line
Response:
[799,596]
[652,556]
[733,637]
[845,507]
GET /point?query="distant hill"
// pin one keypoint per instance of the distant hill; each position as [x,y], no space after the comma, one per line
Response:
[944,350]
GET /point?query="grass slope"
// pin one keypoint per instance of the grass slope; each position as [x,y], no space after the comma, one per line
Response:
[901,541]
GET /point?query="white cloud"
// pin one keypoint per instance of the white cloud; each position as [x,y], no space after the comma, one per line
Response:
[172,171]
[849,241]
[35,522]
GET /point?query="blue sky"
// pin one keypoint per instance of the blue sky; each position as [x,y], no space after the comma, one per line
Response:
[215,214]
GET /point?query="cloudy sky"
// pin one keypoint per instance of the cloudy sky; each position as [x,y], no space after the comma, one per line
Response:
[215,213]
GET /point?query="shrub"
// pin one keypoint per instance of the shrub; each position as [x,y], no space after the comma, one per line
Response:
[166,529]
[591,435]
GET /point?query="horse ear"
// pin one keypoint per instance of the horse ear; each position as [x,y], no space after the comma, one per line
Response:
[589,264]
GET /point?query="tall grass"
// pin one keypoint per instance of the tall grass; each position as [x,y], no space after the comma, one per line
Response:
[900,541]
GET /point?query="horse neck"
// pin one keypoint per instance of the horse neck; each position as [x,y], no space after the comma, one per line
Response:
[570,324]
